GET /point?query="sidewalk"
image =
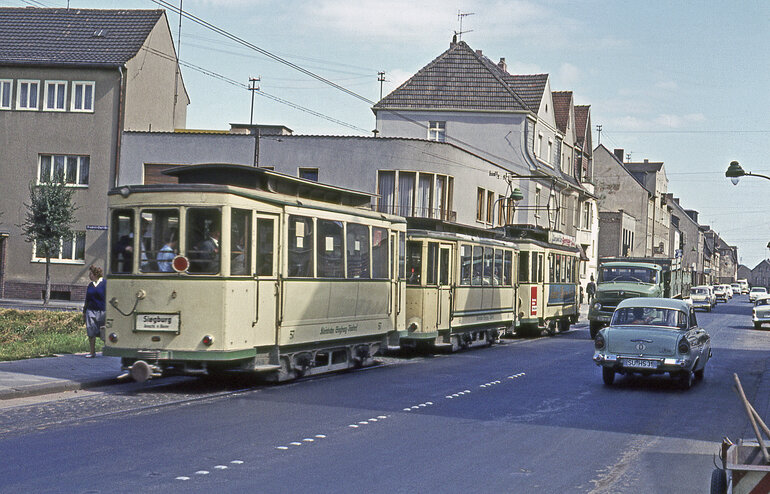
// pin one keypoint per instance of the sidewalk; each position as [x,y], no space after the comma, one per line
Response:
[39,376]
[27,304]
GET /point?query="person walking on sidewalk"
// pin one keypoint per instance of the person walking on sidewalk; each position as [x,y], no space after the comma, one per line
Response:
[94,307]
[591,290]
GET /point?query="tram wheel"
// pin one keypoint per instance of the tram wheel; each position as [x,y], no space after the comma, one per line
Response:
[550,328]
[564,325]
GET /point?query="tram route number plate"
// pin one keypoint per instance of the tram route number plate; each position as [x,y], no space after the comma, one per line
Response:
[157,322]
[643,364]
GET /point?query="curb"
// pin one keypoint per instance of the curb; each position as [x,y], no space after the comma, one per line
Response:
[53,387]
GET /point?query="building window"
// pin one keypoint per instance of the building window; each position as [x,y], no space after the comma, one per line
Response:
[73,169]
[550,158]
[540,146]
[72,249]
[538,192]
[386,188]
[5,94]
[490,207]
[27,95]
[83,96]
[563,209]
[437,131]
[480,204]
[309,174]
[55,95]
[501,220]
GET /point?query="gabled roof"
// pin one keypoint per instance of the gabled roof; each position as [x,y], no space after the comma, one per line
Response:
[530,87]
[562,100]
[458,79]
[42,36]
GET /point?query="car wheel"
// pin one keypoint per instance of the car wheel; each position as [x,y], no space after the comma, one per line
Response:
[594,328]
[608,375]
[718,481]
[708,309]
[685,379]
[757,325]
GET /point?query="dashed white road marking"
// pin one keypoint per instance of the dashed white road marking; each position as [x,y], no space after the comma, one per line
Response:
[237,462]
[282,447]
[353,426]
[308,440]
[295,443]
[221,467]
[320,436]
[182,478]
[202,472]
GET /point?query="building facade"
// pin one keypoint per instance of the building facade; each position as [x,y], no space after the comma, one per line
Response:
[71,81]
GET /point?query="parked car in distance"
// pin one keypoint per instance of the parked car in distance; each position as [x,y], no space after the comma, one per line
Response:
[744,286]
[720,292]
[729,291]
[653,336]
[736,288]
[702,297]
[760,314]
[756,292]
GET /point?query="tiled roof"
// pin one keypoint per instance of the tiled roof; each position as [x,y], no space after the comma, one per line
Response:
[73,36]
[582,113]
[458,79]
[562,100]
[530,87]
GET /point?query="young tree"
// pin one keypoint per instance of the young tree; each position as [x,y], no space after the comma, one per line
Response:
[50,215]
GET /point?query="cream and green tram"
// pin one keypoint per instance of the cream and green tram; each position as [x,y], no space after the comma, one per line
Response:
[237,267]
[548,287]
[460,289]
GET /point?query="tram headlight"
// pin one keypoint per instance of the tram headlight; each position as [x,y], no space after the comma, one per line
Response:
[598,306]
[208,340]
[113,337]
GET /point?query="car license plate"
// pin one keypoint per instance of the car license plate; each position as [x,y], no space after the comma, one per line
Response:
[643,364]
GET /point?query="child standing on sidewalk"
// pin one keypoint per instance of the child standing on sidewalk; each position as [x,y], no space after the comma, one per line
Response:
[94,307]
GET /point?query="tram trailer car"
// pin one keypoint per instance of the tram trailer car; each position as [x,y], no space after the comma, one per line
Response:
[460,290]
[548,287]
[243,268]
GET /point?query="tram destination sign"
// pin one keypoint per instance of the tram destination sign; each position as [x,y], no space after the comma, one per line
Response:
[157,322]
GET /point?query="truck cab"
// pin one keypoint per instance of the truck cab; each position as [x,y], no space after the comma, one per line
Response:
[620,280]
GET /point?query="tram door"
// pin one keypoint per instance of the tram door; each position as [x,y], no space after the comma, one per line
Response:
[398,281]
[266,279]
[437,292]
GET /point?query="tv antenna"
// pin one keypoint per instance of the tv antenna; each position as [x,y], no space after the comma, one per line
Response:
[460,16]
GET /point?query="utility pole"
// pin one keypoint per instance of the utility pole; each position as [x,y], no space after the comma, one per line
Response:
[599,130]
[381,78]
[176,73]
[253,87]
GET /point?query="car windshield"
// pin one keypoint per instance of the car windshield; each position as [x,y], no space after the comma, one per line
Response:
[649,316]
[762,301]
[624,273]
[700,291]
[759,289]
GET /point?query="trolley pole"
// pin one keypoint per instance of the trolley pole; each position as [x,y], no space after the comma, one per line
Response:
[253,87]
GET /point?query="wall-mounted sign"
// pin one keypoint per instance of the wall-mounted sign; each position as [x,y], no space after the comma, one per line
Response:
[96,227]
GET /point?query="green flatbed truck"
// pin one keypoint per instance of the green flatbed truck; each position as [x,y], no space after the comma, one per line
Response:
[625,277]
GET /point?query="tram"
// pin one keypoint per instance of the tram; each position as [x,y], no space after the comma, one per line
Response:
[548,287]
[236,267]
[460,289]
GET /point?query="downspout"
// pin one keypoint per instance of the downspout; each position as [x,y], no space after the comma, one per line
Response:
[121,116]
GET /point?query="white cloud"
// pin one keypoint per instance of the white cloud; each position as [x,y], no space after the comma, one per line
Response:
[569,75]
[678,121]
[667,85]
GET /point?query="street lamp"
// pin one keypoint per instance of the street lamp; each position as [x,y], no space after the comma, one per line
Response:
[735,172]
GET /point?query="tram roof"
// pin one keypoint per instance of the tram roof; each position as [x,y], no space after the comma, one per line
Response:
[250,177]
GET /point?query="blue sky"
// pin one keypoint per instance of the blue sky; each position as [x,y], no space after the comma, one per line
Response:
[680,82]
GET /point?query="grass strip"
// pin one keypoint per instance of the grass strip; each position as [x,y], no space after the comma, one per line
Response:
[38,333]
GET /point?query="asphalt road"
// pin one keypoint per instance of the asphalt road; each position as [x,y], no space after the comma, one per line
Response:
[530,415]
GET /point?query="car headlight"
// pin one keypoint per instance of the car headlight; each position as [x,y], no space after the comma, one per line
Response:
[598,306]
[684,347]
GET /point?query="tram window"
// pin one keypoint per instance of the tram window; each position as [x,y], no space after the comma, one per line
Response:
[240,242]
[524,267]
[478,265]
[443,267]
[489,260]
[158,244]
[358,251]
[537,260]
[379,253]
[413,262]
[557,262]
[402,255]
[300,247]
[203,235]
[465,265]
[507,268]
[265,231]
[432,271]
[540,268]
[329,249]
[122,230]
[498,278]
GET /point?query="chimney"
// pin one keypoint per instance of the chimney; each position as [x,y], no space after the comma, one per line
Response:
[692,214]
[502,64]
[618,154]
[478,52]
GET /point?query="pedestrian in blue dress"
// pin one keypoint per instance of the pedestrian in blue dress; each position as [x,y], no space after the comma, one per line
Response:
[94,307]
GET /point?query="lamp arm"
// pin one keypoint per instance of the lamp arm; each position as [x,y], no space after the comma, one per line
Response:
[757,175]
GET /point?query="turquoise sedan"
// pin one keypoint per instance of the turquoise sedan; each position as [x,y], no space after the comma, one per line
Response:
[653,336]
